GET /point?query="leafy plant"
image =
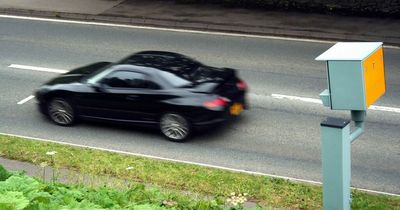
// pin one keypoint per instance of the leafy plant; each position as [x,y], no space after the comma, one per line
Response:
[4,174]
[23,192]
[14,200]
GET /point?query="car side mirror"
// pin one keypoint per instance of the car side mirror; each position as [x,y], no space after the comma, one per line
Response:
[99,87]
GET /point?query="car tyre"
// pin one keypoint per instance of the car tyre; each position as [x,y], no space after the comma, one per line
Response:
[61,112]
[175,127]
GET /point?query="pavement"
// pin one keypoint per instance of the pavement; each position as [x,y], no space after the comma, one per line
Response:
[14,165]
[46,173]
[167,13]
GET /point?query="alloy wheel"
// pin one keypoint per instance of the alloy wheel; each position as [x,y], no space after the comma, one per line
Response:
[61,112]
[175,127]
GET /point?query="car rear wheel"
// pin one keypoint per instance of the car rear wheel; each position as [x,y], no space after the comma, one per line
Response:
[61,112]
[175,127]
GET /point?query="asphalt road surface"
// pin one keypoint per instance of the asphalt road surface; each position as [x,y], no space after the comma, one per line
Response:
[277,135]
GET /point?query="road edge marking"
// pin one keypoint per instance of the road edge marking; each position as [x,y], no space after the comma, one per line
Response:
[82,22]
[191,163]
[25,100]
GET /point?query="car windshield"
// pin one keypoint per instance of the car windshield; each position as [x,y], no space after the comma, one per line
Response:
[96,76]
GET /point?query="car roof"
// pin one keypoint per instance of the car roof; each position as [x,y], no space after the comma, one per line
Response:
[132,59]
[153,52]
[132,67]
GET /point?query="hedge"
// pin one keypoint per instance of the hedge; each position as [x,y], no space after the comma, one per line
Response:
[383,8]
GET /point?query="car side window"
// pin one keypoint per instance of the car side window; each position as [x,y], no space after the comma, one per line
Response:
[128,79]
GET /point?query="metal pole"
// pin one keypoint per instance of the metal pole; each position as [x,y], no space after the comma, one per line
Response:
[358,118]
[336,163]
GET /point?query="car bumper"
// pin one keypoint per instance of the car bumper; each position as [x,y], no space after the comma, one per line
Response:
[215,118]
[42,108]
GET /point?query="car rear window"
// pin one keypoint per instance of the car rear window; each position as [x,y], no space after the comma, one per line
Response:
[175,80]
[178,69]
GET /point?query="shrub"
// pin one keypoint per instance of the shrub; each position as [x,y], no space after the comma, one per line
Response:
[355,7]
[20,192]
[4,174]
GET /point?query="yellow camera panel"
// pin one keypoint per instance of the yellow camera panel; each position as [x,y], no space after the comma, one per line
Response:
[374,77]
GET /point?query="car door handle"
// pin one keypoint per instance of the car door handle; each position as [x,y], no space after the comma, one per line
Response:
[132,97]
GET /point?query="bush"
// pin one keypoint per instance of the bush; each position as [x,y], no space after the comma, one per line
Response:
[4,174]
[20,192]
[354,7]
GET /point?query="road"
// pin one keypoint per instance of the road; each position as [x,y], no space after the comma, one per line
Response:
[276,136]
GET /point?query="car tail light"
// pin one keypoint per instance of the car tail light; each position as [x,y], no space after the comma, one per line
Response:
[216,103]
[241,85]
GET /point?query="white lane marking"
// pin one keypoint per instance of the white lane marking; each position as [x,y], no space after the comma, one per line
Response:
[25,100]
[297,98]
[318,101]
[191,163]
[176,30]
[385,108]
[35,68]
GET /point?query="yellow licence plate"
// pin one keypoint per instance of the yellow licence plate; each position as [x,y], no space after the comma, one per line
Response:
[236,109]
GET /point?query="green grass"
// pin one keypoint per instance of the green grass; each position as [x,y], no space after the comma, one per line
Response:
[265,191]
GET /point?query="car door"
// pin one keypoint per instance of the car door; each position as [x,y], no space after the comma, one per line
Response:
[132,96]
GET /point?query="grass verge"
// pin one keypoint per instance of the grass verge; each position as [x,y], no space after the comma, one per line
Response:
[21,192]
[265,191]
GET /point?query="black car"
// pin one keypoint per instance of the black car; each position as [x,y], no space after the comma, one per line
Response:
[157,88]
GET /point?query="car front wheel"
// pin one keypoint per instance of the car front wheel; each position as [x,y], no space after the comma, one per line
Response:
[61,112]
[175,127]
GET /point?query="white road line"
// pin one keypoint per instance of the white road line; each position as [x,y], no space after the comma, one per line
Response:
[175,30]
[385,108]
[297,98]
[318,101]
[35,68]
[25,100]
[191,163]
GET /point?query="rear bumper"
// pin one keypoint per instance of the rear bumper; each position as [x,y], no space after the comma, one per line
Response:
[215,118]
[210,122]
